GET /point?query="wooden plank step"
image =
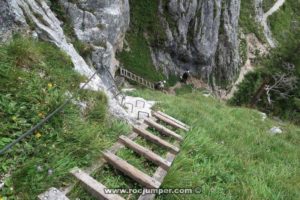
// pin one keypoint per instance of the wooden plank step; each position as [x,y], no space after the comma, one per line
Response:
[168,121]
[94,187]
[131,171]
[150,155]
[159,175]
[173,119]
[163,129]
[157,140]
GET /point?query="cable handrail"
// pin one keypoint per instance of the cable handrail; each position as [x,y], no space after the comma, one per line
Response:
[115,85]
[46,119]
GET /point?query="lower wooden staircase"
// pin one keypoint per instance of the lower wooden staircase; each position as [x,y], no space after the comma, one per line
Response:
[98,190]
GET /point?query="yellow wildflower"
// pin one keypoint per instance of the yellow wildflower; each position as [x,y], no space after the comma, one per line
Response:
[41,115]
[38,135]
[50,85]
[14,118]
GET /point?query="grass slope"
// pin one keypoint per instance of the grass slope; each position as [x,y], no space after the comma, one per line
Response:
[34,79]
[229,153]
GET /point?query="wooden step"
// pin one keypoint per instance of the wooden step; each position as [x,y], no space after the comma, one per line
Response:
[94,187]
[159,175]
[169,121]
[131,171]
[150,155]
[163,129]
[157,140]
[173,119]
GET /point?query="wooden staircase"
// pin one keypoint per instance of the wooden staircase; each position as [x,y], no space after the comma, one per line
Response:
[97,189]
[133,77]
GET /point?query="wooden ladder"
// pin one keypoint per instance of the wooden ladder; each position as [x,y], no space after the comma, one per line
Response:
[97,189]
[131,76]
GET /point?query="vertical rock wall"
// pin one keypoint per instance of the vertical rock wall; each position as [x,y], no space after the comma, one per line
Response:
[102,24]
[202,36]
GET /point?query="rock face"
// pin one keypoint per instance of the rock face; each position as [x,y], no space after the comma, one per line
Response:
[5,21]
[8,24]
[202,36]
[103,25]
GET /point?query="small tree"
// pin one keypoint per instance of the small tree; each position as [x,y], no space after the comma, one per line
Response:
[282,84]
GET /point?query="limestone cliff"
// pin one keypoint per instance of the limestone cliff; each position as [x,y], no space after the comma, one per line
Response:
[202,35]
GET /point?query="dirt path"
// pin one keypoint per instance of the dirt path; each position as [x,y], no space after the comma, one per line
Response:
[275,7]
[264,22]
[253,46]
[172,90]
[196,83]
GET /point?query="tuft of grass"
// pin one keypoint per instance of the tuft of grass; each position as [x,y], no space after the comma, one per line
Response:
[23,53]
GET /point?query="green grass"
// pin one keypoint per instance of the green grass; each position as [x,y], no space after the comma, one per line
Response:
[35,77]
[229,152]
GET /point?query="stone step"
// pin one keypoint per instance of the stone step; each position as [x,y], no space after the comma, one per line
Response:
[52,194]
